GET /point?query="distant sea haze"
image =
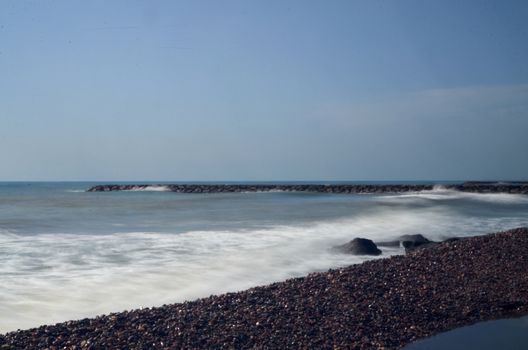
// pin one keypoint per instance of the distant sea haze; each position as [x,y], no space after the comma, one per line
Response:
[66,253]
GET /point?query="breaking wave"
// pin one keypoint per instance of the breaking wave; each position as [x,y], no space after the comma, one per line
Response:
[440,193]
[153,188]
[68,256]
[49,278]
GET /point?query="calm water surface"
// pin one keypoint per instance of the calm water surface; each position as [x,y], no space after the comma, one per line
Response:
[509,334]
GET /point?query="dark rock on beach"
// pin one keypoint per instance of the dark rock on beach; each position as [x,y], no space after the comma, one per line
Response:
[409,242]
[416,239]
[359,246]
[380,304]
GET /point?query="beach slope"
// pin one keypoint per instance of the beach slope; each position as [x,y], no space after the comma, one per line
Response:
[385,303]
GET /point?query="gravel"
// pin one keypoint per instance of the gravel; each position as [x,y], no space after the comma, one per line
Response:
[380,304]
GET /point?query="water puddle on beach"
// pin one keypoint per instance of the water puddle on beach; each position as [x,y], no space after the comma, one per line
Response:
[507,334]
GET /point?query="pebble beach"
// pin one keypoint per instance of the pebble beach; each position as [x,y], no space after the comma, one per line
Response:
[263,175]
[379,304]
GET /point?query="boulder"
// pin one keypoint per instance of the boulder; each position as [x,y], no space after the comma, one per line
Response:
[418,239]
[405,241]
[359,246]
[411,242]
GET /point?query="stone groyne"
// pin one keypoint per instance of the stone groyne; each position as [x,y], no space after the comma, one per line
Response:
[477,187]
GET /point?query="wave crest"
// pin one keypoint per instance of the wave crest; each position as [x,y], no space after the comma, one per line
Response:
[152,188]
[441,193]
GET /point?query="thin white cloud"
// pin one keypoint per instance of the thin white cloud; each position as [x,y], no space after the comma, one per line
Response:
[501,101]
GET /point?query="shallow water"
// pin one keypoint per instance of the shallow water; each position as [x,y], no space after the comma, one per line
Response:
[508,334]
[67,254]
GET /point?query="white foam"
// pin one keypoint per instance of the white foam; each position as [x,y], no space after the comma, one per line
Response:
[440,193]
[49,278]
[153,188]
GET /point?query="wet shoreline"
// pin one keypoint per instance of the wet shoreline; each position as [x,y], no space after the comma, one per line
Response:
[384,303]
[504,334]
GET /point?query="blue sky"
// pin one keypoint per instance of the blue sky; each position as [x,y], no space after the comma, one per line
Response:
[263,90]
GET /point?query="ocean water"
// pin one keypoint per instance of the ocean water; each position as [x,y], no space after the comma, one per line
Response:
[69,254]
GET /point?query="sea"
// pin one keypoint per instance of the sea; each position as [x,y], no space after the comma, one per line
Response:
[69,254]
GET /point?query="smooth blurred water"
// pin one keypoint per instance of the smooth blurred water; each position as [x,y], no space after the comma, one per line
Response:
[66,253]
[507,334]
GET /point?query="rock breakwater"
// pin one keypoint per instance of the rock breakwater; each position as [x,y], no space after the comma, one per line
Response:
[480,187]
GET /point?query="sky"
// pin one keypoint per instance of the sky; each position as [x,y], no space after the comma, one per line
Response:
[263,90]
